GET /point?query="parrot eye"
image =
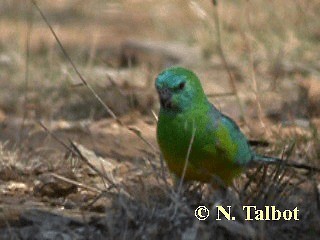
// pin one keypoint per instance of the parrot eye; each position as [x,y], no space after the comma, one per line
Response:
[182,85]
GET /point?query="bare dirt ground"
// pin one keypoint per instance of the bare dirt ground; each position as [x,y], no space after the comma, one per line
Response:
[68,170]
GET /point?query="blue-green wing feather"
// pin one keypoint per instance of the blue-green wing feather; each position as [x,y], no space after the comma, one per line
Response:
[243,153]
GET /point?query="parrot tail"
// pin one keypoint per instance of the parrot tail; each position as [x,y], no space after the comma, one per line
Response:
[279,161]
[258,143]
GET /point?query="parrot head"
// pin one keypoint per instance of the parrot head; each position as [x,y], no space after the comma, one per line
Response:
[178,89]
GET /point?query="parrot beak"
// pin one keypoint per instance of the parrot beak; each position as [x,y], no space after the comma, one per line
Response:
[165,98]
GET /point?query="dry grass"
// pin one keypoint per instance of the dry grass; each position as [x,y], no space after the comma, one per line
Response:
[271,51]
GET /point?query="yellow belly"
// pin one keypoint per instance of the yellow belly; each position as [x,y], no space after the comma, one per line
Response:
[209,171]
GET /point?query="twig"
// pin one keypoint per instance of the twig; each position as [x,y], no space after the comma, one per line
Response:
[154,115]
[76,183]
[137,133]
[163,172]
[224,60]
[73,65]
[176,197]
[253,74]
[84,159]
[251,178]
[186,160]
[27,70]
[76,152]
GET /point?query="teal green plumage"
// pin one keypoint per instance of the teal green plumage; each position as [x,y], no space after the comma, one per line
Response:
[219,148]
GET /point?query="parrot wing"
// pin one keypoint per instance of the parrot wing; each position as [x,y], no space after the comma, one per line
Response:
[228,139]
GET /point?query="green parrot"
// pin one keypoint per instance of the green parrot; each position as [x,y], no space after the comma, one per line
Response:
[197,141]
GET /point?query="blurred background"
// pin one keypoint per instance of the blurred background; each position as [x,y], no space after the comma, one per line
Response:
[271,49]
[259,62]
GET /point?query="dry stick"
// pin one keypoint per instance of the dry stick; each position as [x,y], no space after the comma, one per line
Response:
[76,183]
[72,63]
[276,186]
[92,51]
[200,12]
[282,189]
[224,61]
[137,133]
[76,152]
[27,70]
[276,177]
[154,115]
[250,180]
[253,75]
[105,174]
[259,185]
[176,199]
[163,172]
[162,165]
[285,187]
[280,171]
[160,175]
[83,158]
[186,160]
[266,187]
[115,85]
